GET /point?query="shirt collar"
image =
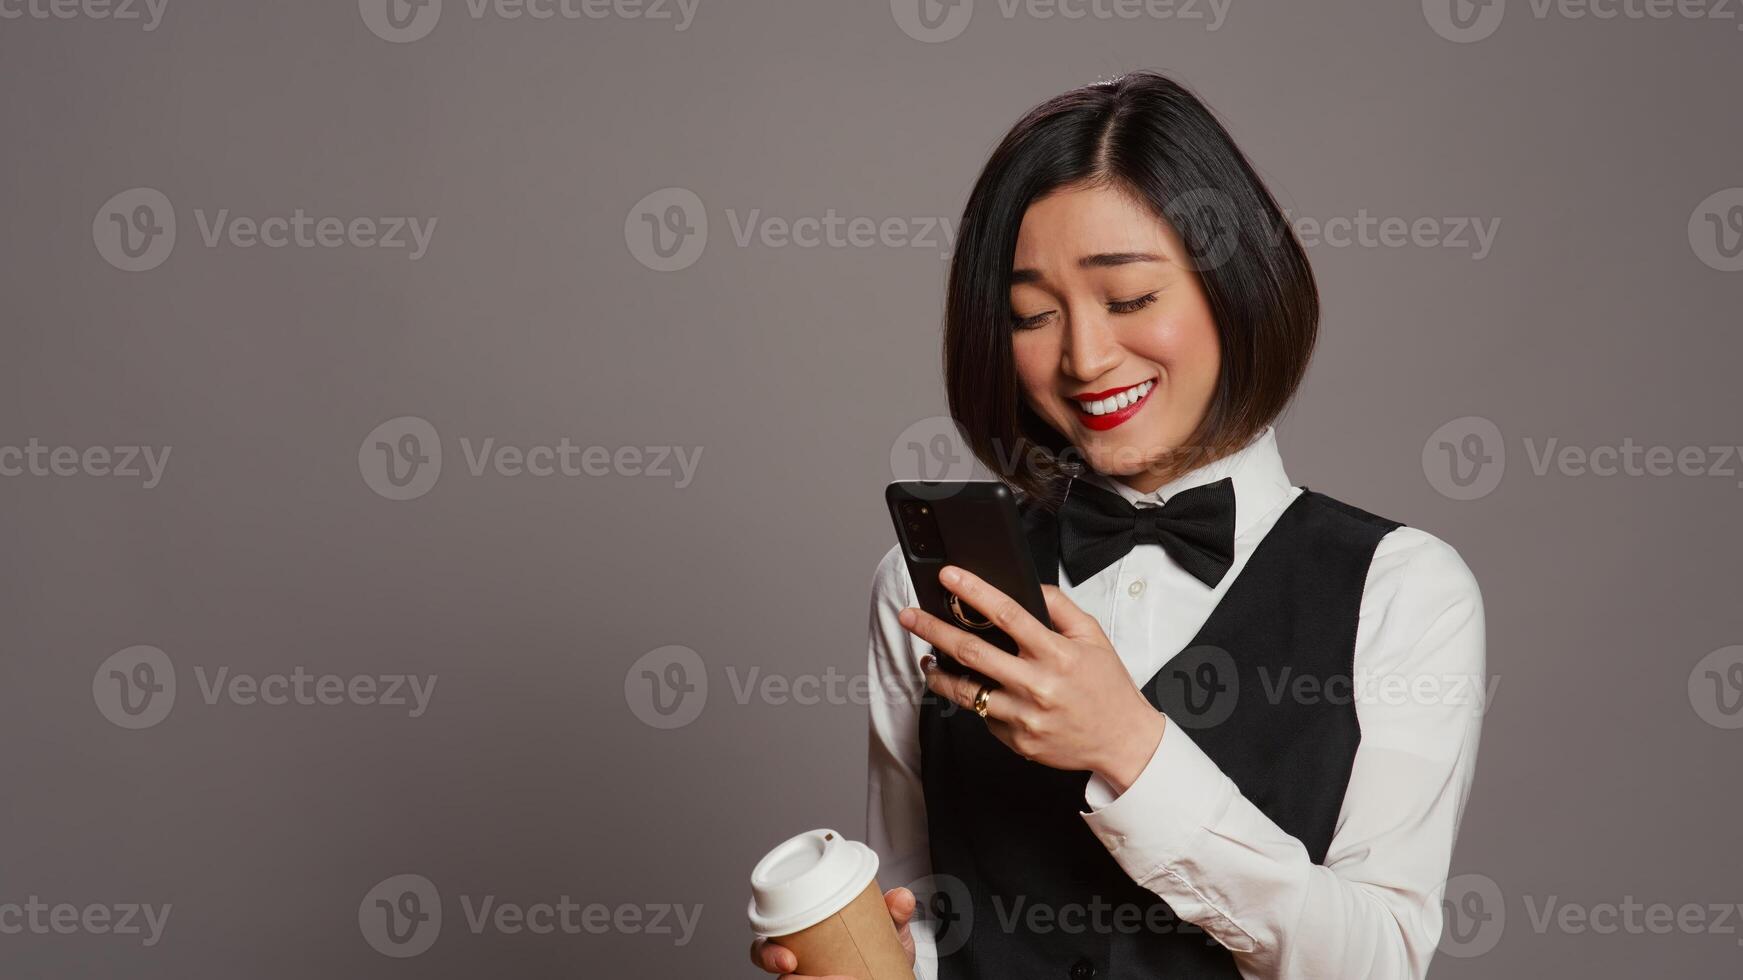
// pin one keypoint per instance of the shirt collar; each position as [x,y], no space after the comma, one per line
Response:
[1256,469]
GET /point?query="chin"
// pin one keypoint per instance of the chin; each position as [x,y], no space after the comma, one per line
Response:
[1122,457]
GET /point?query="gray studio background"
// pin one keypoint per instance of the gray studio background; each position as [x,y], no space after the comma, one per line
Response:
[1603,153]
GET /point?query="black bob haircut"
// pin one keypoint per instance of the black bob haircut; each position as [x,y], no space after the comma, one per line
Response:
[1147,135]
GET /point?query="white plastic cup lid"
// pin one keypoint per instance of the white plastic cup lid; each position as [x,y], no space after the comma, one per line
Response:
[806,880]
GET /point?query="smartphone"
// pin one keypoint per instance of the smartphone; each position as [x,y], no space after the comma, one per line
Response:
[973,525]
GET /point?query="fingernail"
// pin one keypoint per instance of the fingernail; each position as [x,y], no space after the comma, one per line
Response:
[927,663]
[949,575]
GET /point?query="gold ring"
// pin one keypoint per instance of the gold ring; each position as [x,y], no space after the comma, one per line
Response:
[980,699]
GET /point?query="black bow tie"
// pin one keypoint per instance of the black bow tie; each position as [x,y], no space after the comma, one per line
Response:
[1195,527]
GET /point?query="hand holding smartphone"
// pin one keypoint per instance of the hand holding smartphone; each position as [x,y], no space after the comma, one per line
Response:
[973,525]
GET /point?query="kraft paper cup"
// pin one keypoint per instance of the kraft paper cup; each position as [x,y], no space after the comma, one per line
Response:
[817,894]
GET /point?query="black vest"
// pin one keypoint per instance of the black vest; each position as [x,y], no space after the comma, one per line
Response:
[1045,898]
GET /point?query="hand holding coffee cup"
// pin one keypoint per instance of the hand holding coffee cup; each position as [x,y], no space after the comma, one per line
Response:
[818,912]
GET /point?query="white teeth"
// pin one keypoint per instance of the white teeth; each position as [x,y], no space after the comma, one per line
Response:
[1124,399]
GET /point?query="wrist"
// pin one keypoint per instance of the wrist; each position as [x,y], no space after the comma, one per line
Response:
[1131,750]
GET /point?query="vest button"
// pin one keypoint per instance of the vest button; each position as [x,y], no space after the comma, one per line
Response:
[1083,970]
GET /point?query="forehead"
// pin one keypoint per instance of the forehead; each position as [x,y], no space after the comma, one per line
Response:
[1073,222]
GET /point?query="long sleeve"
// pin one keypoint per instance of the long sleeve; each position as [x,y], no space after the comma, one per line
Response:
[895,803]
[1184,831]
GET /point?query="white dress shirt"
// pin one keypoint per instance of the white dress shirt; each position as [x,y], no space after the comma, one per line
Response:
[1182,829]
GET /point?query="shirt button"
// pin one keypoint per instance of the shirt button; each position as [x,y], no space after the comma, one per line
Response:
[1136,589]
[1083,970]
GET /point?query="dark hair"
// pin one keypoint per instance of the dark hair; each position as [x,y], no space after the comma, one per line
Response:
[1148,135]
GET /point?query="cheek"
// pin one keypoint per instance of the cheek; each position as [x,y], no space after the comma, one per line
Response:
[1037,361]
[1185,345]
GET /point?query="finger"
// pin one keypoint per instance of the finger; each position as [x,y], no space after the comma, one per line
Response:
[900,902]
[1068,618]
[773,957]
[967,649]
[1005,612]
[963,690]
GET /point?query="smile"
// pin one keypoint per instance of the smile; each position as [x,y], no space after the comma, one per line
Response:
[1102,410]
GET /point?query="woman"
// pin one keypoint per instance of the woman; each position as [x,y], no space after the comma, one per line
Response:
[1244,747]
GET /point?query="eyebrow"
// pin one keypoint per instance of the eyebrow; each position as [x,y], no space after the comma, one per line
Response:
[1101,260]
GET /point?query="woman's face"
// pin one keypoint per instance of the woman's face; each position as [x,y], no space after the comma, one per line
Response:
[1114,341]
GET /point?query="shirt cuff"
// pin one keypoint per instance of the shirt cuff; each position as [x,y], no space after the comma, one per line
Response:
[1152,824]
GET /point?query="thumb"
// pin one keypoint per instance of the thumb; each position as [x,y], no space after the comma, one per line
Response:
[900,902]
[1068,619]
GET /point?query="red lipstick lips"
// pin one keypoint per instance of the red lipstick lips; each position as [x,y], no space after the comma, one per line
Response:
[1102,423]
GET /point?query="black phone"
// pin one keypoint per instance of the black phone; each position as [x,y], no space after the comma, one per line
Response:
[972,525]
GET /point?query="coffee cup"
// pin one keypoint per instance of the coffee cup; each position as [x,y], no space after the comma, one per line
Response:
[817,894]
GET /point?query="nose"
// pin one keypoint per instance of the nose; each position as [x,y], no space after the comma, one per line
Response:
[1091,349]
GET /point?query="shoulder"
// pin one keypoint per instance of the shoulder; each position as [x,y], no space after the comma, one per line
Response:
[1421,609]
[1410,561]
[1417,584]
[1404,554]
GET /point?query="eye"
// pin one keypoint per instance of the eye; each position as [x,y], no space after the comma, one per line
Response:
[1029,322]
[1131,305]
